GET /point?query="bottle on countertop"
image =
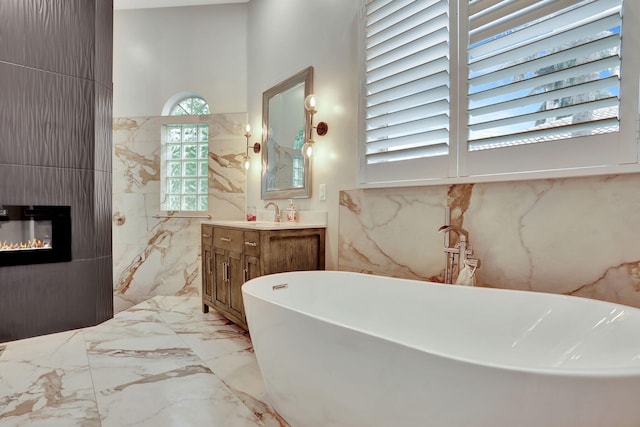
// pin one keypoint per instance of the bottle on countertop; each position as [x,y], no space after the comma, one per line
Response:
[292,214]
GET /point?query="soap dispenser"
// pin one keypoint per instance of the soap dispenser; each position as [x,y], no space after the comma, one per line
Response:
[292,214]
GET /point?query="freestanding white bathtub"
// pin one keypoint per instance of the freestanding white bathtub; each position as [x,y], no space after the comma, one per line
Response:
[347,349]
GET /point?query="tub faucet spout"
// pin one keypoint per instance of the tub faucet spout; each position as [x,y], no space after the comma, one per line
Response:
[276,217]
[461,232]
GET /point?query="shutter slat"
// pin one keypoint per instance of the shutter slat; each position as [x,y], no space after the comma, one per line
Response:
[435,136]
[593,67]
[533,48]
[477,6]
[422,40]
[433,119]
[406,102]
[441,149]
[567,92]
[395,92]
[601,104]
[608,43]
[513,15]
[408,76]
[563,22]
[543,135]
[403,20]
[410,67]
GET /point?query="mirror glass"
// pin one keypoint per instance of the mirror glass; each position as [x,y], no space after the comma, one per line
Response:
[285,171]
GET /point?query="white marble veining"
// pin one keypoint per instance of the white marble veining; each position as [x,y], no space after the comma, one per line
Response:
[160,363]
[571,236]
[158,256]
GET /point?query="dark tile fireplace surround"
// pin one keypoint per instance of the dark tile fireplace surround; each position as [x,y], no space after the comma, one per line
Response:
[55,150]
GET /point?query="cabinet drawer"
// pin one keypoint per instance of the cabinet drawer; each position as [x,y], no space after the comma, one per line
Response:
[207,235]
[252,243]
[228,238]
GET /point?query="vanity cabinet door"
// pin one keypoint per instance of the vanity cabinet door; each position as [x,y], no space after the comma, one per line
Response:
[207,277]
[252,267]
[236,279]
[220,285]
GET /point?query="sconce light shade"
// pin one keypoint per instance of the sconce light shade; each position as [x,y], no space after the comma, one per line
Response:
[247,163]
[310,103]
[307,149]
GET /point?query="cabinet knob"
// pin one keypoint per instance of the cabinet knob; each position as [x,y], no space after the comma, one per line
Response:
[253,244]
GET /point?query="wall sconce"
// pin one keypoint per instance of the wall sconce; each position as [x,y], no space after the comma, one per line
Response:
[256,147]
[321,129]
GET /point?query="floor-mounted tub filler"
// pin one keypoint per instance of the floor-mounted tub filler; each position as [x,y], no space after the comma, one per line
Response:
[348,349]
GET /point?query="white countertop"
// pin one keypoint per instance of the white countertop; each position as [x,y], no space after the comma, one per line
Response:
[306,219]
[264,225]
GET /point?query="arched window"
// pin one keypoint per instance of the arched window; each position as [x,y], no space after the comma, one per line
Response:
[185,171]
[193,106]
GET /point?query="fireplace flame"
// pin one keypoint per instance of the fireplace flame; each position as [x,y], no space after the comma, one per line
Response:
[30,244]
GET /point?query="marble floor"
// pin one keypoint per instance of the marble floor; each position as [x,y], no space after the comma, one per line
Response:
[160,363]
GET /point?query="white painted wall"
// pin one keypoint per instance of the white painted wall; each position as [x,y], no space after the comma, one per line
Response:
[284,37]
[164,51]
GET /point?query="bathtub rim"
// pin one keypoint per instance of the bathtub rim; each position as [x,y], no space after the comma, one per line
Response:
[612,373]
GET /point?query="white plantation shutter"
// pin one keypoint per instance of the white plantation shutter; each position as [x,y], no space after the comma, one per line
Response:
[406,79]
[482,90]
[542,70]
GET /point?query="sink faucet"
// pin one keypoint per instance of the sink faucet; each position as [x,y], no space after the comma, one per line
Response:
[277,212]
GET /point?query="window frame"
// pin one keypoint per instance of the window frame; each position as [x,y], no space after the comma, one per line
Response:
[556,159]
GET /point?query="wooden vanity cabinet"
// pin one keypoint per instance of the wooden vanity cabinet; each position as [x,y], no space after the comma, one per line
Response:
[233,255]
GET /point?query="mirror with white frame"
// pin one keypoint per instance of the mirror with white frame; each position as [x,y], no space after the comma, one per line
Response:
[285,124]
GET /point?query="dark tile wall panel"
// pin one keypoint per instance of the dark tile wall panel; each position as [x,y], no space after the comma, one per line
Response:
[12,38]
[104,43]
[104,291]
[46,119]
[46,298]
[61,36]
[103,128]
[102,214]
[81,286]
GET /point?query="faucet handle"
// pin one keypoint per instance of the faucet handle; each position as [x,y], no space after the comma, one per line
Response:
[472,262]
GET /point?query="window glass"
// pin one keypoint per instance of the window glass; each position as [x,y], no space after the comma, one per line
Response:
[186,157]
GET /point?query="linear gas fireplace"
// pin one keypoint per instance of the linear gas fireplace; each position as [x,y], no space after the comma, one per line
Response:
[34,234]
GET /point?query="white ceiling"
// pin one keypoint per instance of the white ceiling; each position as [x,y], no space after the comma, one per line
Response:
[146,4]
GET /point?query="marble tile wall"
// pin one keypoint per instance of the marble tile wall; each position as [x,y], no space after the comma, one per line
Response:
[160,256]
[573,236]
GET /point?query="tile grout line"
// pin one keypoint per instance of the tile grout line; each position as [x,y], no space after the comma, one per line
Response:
[93,384]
